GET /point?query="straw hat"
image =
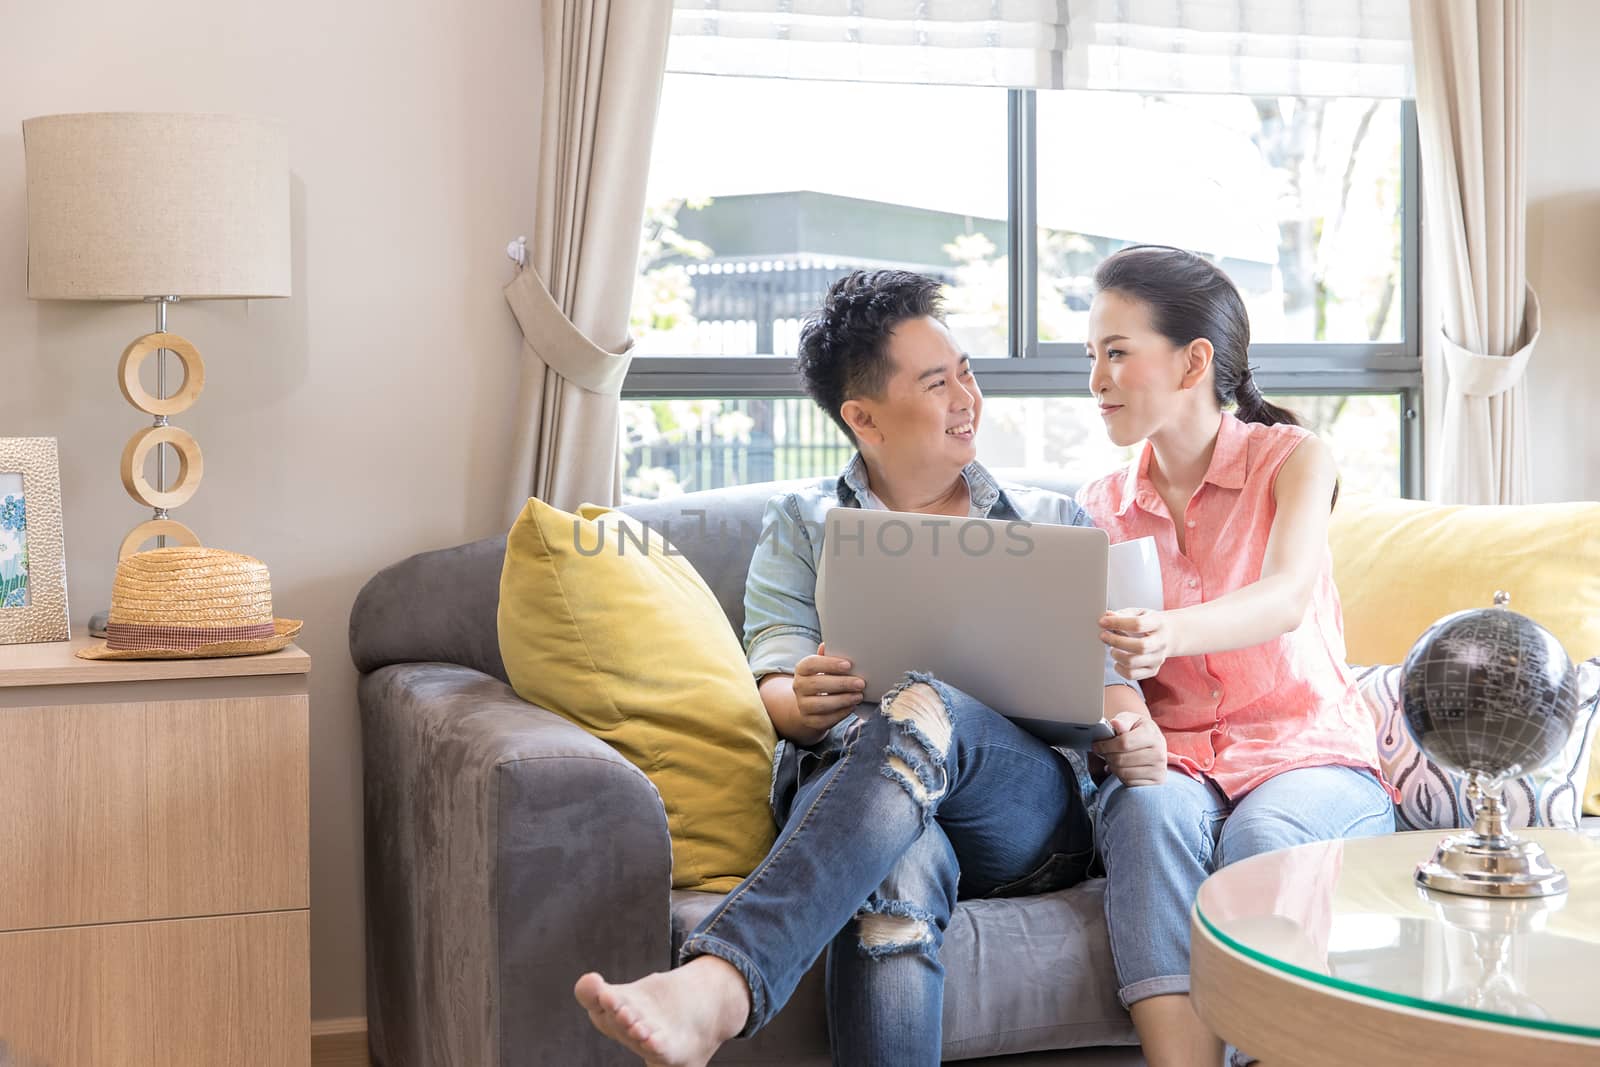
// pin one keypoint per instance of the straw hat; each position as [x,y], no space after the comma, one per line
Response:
[187,603]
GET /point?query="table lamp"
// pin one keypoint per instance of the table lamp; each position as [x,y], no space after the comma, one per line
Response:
[159,208]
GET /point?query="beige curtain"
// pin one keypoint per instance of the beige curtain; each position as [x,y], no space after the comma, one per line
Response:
[1483,320]
[603,64]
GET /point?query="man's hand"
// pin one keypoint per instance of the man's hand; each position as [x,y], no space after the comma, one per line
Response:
[825,690]
[1138,754]
[1140,640]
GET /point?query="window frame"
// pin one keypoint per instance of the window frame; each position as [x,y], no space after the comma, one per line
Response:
[1034,368]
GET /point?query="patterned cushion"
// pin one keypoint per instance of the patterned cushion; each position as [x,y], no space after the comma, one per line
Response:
[1432,798]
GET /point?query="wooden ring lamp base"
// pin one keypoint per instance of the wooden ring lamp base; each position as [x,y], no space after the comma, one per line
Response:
[191,464]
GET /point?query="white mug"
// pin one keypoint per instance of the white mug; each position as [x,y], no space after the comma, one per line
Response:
[1133,576]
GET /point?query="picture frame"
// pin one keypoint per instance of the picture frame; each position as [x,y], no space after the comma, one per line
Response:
[33,566]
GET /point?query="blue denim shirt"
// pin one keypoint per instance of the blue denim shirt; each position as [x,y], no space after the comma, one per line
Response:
[781,626]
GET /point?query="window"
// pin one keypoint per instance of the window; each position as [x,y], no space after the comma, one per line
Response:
[763,190]
[681,445]
[1298,200]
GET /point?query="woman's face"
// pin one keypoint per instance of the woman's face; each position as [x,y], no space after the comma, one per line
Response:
[1137,375]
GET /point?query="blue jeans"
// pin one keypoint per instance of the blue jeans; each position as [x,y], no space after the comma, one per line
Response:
[931,797]
[1159,842]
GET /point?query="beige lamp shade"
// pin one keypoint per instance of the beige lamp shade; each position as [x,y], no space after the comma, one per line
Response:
[122,206]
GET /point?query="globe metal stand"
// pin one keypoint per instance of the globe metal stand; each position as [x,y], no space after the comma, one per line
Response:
[1488,860]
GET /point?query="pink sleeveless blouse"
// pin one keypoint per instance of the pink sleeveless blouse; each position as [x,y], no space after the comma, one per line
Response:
[1240,717]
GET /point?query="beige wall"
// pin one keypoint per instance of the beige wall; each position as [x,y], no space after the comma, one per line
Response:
[364,419]
[1564,246]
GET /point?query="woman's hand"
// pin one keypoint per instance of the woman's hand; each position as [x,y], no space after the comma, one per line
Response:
[825,690]
[1138,754]
[1140,640]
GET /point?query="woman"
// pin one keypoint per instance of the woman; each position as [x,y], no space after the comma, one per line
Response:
[1244,669]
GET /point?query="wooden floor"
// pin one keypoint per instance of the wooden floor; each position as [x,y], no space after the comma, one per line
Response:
[350,1050]
[339,1050]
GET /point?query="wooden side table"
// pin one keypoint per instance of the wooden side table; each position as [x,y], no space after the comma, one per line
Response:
[154,859]
[1328,954]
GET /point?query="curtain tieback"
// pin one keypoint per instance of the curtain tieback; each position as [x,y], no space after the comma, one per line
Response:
[563,347]
[1476,374]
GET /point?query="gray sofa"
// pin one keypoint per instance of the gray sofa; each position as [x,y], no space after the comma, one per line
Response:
[508,851]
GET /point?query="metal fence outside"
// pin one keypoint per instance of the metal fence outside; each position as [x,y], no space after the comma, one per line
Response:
[787,437]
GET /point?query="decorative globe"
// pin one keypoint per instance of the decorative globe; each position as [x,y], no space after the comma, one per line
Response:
[1489,692]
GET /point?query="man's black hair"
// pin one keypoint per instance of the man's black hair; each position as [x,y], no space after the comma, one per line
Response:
[844,344]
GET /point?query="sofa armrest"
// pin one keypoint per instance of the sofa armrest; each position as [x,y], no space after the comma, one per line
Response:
[434,606]
[507,852]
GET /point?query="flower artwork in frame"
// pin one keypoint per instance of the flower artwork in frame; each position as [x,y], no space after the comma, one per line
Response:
[33,575]
[13,541]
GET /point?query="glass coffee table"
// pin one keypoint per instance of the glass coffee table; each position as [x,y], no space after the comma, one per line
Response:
[1329,953]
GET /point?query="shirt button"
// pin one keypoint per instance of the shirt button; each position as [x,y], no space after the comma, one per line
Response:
[1190,524]
[1216,694]
[1193,583]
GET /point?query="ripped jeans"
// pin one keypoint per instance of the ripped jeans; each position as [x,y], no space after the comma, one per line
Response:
[933,796]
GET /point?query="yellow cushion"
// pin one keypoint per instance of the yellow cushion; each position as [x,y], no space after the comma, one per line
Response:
[630,644]
[1402,564]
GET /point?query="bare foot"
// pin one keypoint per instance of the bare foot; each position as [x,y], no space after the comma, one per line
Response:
[675,1018]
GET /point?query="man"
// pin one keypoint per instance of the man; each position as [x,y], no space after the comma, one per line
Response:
[897,804]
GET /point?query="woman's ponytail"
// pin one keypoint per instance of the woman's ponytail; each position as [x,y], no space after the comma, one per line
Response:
[1253,407]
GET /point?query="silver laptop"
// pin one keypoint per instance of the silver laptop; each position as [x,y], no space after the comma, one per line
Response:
[1007,612]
